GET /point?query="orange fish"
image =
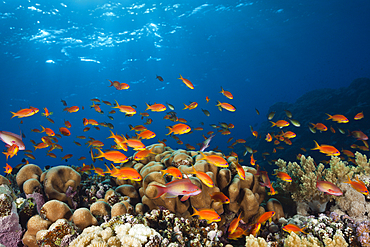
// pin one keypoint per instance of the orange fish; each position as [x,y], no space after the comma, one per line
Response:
[30,156]
[215,160]
[289,134]
[48,131]
[348,153]
[95,143]
[332,129]
[142,154]
[207,99]
[125,173]
[67,124]
[27,112]
[191,106]
[114,156]
[178,129]
[227,94]
[358,185]
[146,134]
[268,137]
[72,109]
[220,197]
[209,215]
[326,149]
[267,216]
[283,176]
[137,127]
[239,232]
[128,110]
[187,82]
[202,176]
[240,170]
[67,156]
[8,169]
[134,143]
[64,131]
[320,126]
[226,106]
[272,191]
[280,123]
[156,107]
[338,118]
[189,147]
[11,151]
[359,116]
[47,113]
[173,171]
[329,188]
[89,121]
[234,224]
[41,145]
[51,155]
[253,161]
[294,228]
[178,187]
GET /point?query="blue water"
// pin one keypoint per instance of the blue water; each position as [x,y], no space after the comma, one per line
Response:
[262,52]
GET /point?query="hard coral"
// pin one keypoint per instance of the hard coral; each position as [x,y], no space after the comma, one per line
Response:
[58,180]
[27,172]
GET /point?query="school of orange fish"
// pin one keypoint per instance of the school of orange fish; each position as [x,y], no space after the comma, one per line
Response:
[179,185]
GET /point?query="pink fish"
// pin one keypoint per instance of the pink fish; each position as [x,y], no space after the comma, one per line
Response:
[177,188]
[205,144]
[11,138]
[329,188]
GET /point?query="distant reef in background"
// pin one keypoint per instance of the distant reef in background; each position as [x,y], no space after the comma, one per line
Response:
[312,107]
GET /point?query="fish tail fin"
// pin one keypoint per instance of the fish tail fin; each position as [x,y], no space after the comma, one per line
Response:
[111,135]
[329,116]
[147,106]
[160,190]
[317,146]
[163,172]
[273,124]
[303,230]
[170,129]
[131,127]
[108,169]
[101,154]
[180,77]
[222,90]
[349,180]
[194,170]
[196,212]
[111,83]
[43,129]
[117,105]
[186,106]
[13,114]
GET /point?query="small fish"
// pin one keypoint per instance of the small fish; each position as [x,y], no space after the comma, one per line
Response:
[114,156]
[67,156]
[178,129]
[72,109]
[326,149]
[63,102]
[156,107]
[283,176]
[207,99]
[146,134]
[288,114]
[215,160]
[338,118]
[160,78]
[128,110]
[204,177]
[234,224]
[8,169]
[358,185]
[227,94]
[359,116]
[358,134]
[176,188]
[46,113]
[296,123]
[257,111]
[187,82]
[220,197]
[267,216]
[171,107]
[329,188]
[191,106]
[294,228]
[206,143]
[64,131]
[271,115]
[206,113]
[280,123]
[209,215]
[319,126]
[173,171]
[27,112]
[253,161]
[268,137]
[226,106]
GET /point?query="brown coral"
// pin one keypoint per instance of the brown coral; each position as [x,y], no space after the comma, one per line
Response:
[83,218]
[27,172]
[58,180]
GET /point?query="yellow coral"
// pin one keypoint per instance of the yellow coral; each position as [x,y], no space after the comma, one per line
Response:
[251,241]
[293,240]
[337,241]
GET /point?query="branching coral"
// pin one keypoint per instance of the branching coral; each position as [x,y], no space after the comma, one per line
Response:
[304,178]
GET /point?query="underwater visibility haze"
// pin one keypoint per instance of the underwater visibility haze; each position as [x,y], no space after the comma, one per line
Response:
[238,60]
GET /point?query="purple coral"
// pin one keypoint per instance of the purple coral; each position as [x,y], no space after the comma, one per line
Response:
[362,231]
[70,193]
[10,230]
[39,199]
